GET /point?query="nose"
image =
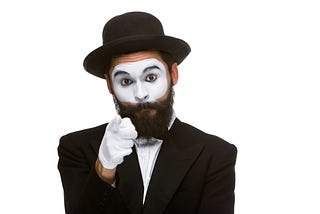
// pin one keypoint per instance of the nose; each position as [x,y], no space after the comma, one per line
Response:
[141,94]
[142,99]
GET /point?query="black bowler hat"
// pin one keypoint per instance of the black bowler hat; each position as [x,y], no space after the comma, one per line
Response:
[131,32]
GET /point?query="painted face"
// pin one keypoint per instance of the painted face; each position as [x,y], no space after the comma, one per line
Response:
[140,81]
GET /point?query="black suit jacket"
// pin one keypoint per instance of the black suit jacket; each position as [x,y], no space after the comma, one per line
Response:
[194,173]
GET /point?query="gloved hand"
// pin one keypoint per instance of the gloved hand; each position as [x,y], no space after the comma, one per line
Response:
[117,142]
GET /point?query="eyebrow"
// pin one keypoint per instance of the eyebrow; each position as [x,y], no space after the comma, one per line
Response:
[150,68]
[119,72]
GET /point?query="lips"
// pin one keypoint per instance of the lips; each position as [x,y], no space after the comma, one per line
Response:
[149,111]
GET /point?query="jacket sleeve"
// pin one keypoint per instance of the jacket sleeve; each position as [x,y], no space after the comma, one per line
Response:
[84,191]
[218,195]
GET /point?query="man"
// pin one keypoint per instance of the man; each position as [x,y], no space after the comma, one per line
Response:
[145,160]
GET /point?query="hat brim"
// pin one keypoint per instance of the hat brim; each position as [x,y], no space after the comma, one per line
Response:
[98,60]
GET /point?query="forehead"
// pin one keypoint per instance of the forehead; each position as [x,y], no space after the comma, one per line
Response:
[134,57]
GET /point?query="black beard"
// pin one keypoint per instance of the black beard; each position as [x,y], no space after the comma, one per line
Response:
[148,126]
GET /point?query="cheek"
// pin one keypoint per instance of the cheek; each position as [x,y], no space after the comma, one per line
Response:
[124,94]
[158,89]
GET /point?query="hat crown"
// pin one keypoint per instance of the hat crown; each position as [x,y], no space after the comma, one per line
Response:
[132,32]
[131,24]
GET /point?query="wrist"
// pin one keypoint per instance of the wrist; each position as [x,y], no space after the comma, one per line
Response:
[107,175]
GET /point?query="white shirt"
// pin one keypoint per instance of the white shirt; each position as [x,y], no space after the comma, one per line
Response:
[147,156]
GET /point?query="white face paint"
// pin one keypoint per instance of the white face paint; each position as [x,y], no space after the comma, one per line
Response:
[140,81]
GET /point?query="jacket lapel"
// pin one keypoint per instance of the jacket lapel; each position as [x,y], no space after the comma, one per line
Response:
[175,158]
[130,182]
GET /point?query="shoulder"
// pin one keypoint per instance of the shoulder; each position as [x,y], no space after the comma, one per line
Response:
[212,143]
[89,133]
[83,138]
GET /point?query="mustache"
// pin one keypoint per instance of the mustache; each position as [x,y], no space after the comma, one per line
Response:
[146,105]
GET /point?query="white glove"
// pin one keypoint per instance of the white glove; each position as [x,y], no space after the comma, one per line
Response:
[117,142]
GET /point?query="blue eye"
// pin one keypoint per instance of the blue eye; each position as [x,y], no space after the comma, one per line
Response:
[126,82]
[151,78]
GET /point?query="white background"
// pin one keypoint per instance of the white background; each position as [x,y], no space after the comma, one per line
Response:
[251,78]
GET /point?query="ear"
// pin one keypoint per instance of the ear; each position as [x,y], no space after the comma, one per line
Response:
[174,73]
[109,83]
